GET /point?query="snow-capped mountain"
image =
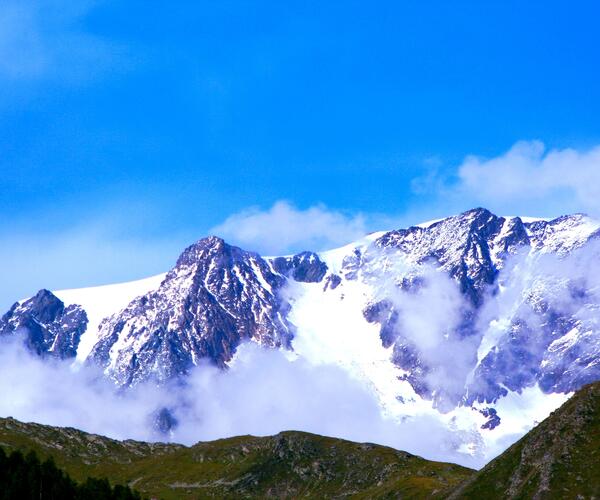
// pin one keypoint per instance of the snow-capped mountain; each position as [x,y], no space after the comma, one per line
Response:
[459,314]
[214,298]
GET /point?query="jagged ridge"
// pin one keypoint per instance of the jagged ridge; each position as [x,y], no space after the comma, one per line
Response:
[218,296]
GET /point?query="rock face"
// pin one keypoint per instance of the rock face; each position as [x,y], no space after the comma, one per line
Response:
[522,301]
[215,297]
[48,326]
[304,267]
[467,247]
[549,335]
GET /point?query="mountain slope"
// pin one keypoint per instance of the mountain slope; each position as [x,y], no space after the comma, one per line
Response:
[288,465]
[215,297]
[49,326]
[558,459]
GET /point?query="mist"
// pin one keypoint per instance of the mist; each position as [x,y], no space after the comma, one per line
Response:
[264,392]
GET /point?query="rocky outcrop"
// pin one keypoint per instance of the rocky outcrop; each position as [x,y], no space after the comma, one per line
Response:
[215,297]
[48,327]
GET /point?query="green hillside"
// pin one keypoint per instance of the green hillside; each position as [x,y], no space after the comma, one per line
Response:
[288,465]
[558,459]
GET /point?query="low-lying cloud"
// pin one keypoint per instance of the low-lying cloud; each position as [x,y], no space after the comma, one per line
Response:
[263,393]
[431,318]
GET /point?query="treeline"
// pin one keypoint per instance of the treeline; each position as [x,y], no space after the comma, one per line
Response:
[28,478]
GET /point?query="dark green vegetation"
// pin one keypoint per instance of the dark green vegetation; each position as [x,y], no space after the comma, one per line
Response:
[288,465]
[558,459]
[26,477]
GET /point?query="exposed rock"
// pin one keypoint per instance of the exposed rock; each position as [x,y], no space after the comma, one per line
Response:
[305,267]
[215,297]
[47,325]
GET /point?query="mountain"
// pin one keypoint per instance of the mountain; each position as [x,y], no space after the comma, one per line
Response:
[558,459]
[288,465]
[487,322]
[214,298]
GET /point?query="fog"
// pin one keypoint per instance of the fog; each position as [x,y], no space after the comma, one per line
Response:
[264,392]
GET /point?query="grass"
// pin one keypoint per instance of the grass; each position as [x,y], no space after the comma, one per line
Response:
[288,465]
[558,459]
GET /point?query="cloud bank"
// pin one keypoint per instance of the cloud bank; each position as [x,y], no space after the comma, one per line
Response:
[530,171]
[284,228]
[528,179]
[263,393]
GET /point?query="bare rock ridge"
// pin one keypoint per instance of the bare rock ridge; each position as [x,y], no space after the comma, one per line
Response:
[215,297]
[49,327]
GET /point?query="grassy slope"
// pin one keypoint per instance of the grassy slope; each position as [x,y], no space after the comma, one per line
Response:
[290,464]
[558,459]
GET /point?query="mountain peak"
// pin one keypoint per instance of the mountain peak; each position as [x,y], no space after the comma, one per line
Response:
[50,327]
[477,211]
[44,306]
[210,245]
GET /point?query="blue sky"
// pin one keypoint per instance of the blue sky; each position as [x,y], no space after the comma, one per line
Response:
[129,129]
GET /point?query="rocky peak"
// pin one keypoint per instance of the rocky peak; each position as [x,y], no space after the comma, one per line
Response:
[210,246]
[215,297]
[45,306]
[563,234]
[305,267]
[49,327]
[460,245]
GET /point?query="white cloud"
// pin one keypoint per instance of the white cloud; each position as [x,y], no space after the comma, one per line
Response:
[262,394]
[528,175]
[429,317]
[528,180]
[284,228]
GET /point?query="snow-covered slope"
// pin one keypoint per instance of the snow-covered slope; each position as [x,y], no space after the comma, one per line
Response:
[486,322]
[99,302]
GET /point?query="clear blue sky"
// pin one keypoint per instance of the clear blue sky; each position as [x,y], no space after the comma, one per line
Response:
[162,119]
